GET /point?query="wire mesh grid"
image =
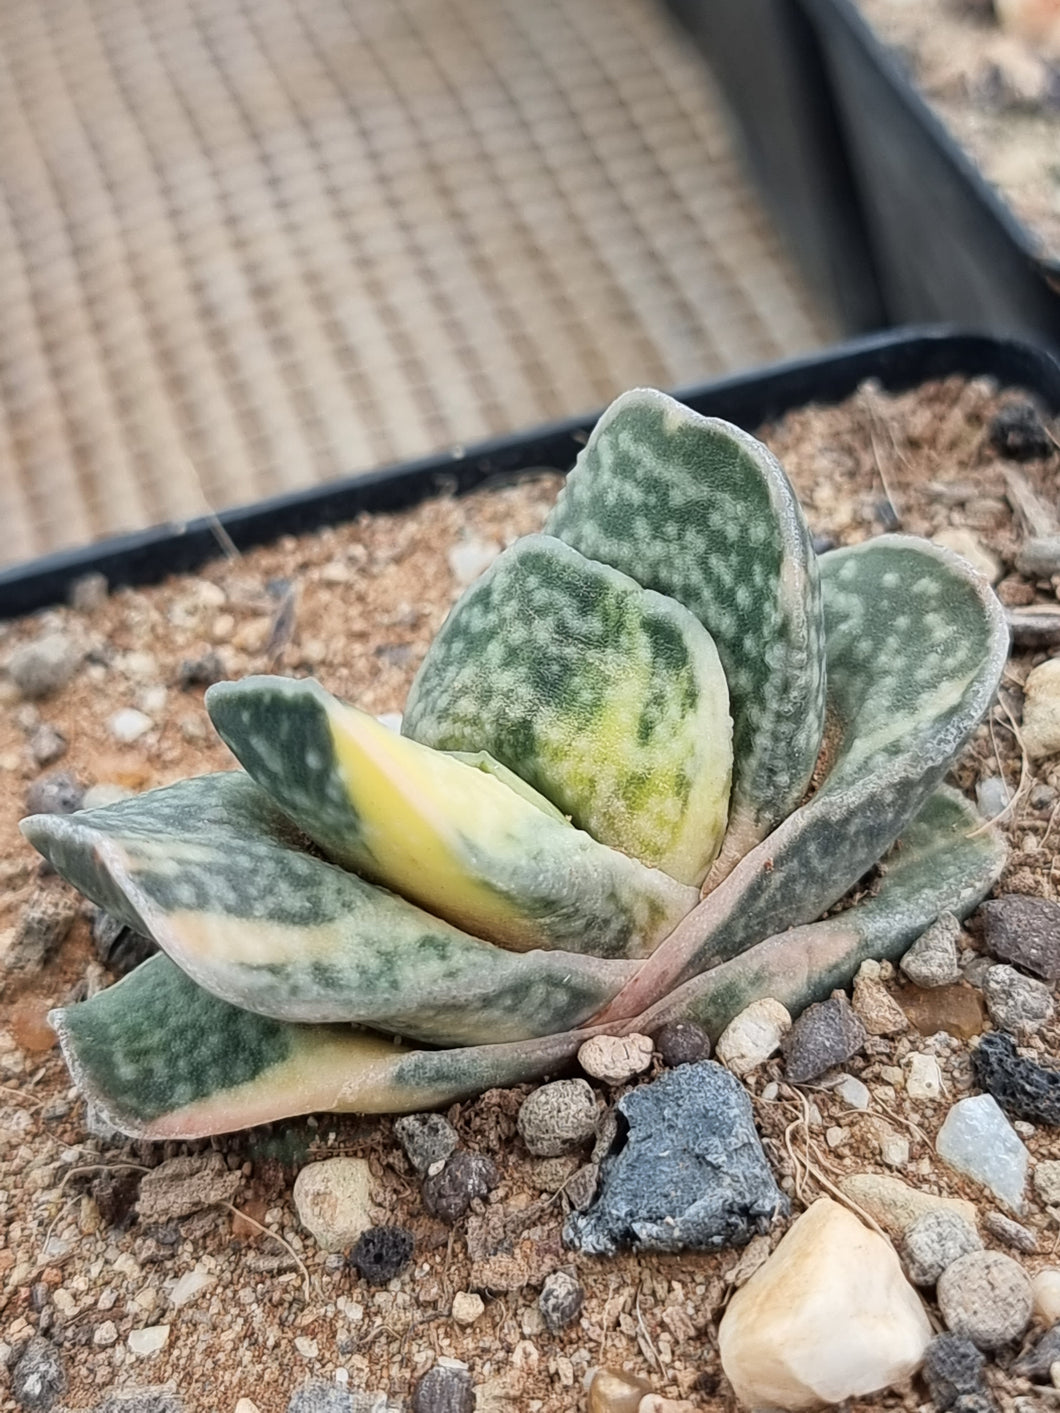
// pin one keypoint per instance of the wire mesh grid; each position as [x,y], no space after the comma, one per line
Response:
[246,247]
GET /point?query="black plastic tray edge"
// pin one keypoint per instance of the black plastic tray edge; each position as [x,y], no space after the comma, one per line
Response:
[898,360]
[832,18]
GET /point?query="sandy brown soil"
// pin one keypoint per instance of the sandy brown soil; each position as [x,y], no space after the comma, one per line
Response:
[368,597]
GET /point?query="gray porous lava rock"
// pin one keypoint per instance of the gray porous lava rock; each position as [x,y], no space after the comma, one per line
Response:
[1024,931]
[426,1138]
[38,1378]
[686,1172]
[953,1367]
[933,1242]
[827,1034]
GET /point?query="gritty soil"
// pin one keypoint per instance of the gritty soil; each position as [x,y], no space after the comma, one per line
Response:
[998,94]
[367,598]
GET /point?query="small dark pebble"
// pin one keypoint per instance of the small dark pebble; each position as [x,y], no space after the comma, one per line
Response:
[201,671]
[38,1379]
[823,543]
[561,1300]
[1024,1090]
[56,793]
[1017,432]
[981,1402]
[682,1043]
[706,1382]
[444,1390]
[381,1253]
[47,744]
[119,948]
[448,1194]
[826,1034]
[1036,1362]
[952,1367]
[39,1295]
[115,1193]
[1022,930]
[426,1138]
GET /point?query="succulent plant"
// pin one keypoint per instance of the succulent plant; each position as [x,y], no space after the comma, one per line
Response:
[647,754]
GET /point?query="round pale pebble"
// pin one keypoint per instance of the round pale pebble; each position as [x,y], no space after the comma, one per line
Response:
[467,1307]
[333,1201]
[614,1059]
[751,1037]
[1045,1290]
[986,1296]
[1041,710]
[558,1117]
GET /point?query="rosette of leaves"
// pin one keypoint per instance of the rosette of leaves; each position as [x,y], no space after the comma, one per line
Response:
[647,754]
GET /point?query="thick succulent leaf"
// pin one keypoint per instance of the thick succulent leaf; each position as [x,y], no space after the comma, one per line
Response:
[945,862]
[702,512]
[916,646]
[607,698]
[446,833]
[161,1058]
[208,869]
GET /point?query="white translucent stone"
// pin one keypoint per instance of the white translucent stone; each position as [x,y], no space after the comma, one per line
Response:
[853,1093]
[978,1140]
[149,1340]
[189,1285]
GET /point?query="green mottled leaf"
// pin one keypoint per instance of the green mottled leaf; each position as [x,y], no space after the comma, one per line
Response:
[945,862]
[607,698]
[209,870]
[162,1058]
[699,510]
[916,646]
[449,834]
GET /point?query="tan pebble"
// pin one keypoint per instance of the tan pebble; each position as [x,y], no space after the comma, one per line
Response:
[617,1391]
[896,1205]
[105,1335]
[656,1403]
[252,637]
[615,1058]
[1045,1289]
[307,1348]
[1054,1373]
[333,1200]
[246,1405]
[467,1307]
[752,1036]
[877,1009]
[970,547]
[222,628]
[1041,710]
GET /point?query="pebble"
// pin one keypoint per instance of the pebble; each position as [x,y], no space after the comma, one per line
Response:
[1040,1357]
[932,959]
[128,725]
[985,1296]
[682,1043]
[894,1150]
[752,1036]
[969,546]
[561,1300]
[381,1253]
[879,1012]
[468,1306]
[958,1010]
[1041,710]
[89,592]
[444,1390]
[1013,1234]
[1045,1291]
[57,793]
[119,948]
[617,1391]
[1047,1182]
[105,1335]
[1023,930]
[933,1242]
[558,1117]
[448,1193]
[976,1139]
[320,1398]
[189,1285]
[993,796]
[827,1033]
[1039,557]
[47,744]
[181,1186]
[246,1405]
[615,1059]
[43,666]
[953,1368]
[148,1340]
[43,925]
[854,1094]
[201,671]
[690,1172]
[39,1377]
[1024,1089]
[1017,432]
[426,1139]
[1016,1003]
[333,1201]
[470,558]
[895,1205]
[306,1347]
[142,1400]
[107,792]
[923,1078]
[828,1317]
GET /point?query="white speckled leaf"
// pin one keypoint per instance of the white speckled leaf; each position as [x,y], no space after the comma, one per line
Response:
[208,868]
[916,646]
[702,512]
[944,862]
[607,698]
[443,832]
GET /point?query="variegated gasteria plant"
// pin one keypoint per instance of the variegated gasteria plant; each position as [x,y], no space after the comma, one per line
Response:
[361,920]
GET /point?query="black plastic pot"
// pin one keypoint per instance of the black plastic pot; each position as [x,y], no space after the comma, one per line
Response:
[898,361]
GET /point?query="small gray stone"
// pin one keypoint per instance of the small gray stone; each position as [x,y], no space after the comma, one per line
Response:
[1016,1003]
[128,725]
[44,665]
[558,1117]
[985,1296]
[561,1300]
[449,1193]
[1047,1182]
[47,744]
[581,1188]
[89,592]
[932,959]
[993,796]
[444,1390]
[142,1400]
[935,1241]
[57,793]
[690,1173]
[321,1398]
[952,1367]
[38,1378]
[1024,931]
[42,928]
[426,1138]
[1040,1358]
[977,1139]
[1013,1234]
[826,1034]
[1039,557]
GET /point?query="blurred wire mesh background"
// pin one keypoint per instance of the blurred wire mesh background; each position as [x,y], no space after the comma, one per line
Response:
[246,247]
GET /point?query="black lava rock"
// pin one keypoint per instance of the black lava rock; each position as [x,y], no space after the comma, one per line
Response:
[827,1033]
[952,1367]
[448,1194]
[682,1043]
[119,948]
[1017,432]
[1024,1090]
[38,1379]
[444,1390]
[55,793]
[381,1253]
[689,1173]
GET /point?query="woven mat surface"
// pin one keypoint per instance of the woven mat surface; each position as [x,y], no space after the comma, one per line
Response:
[249,245]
